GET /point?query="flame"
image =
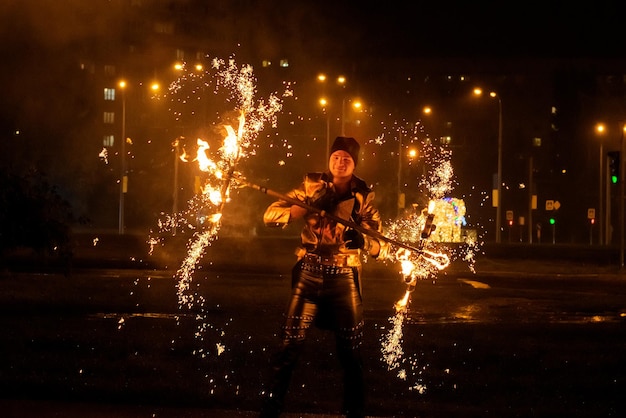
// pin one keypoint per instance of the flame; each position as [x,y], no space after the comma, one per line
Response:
[204,162]
[402,304]
[203,216]
[431,206]
[407,267]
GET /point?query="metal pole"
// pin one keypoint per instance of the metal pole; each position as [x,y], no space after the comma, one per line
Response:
[441,258]
[175,192]
[399,173]
[621,199]
[123,165]
[530,199]
[343,117]
[600,200]
[327,140]
[608,223]
[499,186]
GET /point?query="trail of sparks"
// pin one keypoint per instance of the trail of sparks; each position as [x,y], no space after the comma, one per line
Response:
[204,212]
[415,227]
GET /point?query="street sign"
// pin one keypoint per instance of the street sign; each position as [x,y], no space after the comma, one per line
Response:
[549,204]
[509,215]
[591,213]
[556,205]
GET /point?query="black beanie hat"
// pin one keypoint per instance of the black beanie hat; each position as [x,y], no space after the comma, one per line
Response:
[348,145]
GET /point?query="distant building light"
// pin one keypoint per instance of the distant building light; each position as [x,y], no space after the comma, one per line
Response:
[284,63]
[266,63]
[109,70]
[109,94]
[109,117]
[108,140]
[536,142]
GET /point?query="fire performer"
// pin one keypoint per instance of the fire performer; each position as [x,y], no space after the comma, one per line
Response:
[326,282]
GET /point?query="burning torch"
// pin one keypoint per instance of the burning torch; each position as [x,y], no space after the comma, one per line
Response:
[408,265]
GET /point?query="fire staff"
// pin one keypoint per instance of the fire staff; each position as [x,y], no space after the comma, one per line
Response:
[326,279]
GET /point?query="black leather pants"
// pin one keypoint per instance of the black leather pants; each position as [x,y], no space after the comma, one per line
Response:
[330,298]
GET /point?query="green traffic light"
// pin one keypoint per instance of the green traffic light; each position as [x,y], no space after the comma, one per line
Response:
[614,179]
[552,221]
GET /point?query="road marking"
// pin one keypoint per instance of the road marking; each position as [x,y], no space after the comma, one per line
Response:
[475,284]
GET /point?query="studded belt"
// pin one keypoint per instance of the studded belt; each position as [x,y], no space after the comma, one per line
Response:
[324,269]
[335,260]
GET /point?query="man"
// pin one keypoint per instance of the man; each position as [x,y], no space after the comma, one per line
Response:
[326,287]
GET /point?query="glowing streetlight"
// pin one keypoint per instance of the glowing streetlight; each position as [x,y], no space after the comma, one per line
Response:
[341,82]
[122,84]
[497,198]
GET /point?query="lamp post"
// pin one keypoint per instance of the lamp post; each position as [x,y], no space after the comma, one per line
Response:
[341,82]
[123,177]
[621,198]
[400,203]
[497,198]
[600,128]
[176,145]
[499,185]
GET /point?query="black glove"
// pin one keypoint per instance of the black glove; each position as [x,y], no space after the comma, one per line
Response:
[326,202]
[353,239]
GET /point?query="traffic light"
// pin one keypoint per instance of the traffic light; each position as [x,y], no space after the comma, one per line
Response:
[552,221]
[614,160]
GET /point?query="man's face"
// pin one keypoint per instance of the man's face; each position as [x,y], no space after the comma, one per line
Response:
[341,164]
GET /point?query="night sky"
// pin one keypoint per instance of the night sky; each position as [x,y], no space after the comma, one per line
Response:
[43,39]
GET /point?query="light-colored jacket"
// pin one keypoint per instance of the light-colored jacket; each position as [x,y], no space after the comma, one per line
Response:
[320,234]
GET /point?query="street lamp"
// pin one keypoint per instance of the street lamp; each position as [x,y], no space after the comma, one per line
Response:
[600,129]
[176,145]
[411,153]
[621,197]
[341,82]
[123,177]
[497,198]
[123,170]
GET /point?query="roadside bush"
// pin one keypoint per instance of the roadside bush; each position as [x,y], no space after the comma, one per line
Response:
[34,215]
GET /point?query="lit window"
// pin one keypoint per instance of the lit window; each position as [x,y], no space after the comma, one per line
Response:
[109,70]
[109,94]
[284,63]
[108,140]
[109,117]
[166,28]
[180,54]
[536,142]
[267,63]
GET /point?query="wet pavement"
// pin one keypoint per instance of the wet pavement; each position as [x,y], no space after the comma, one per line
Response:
[533,335]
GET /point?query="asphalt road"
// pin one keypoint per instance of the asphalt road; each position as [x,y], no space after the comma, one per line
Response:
[499,343]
